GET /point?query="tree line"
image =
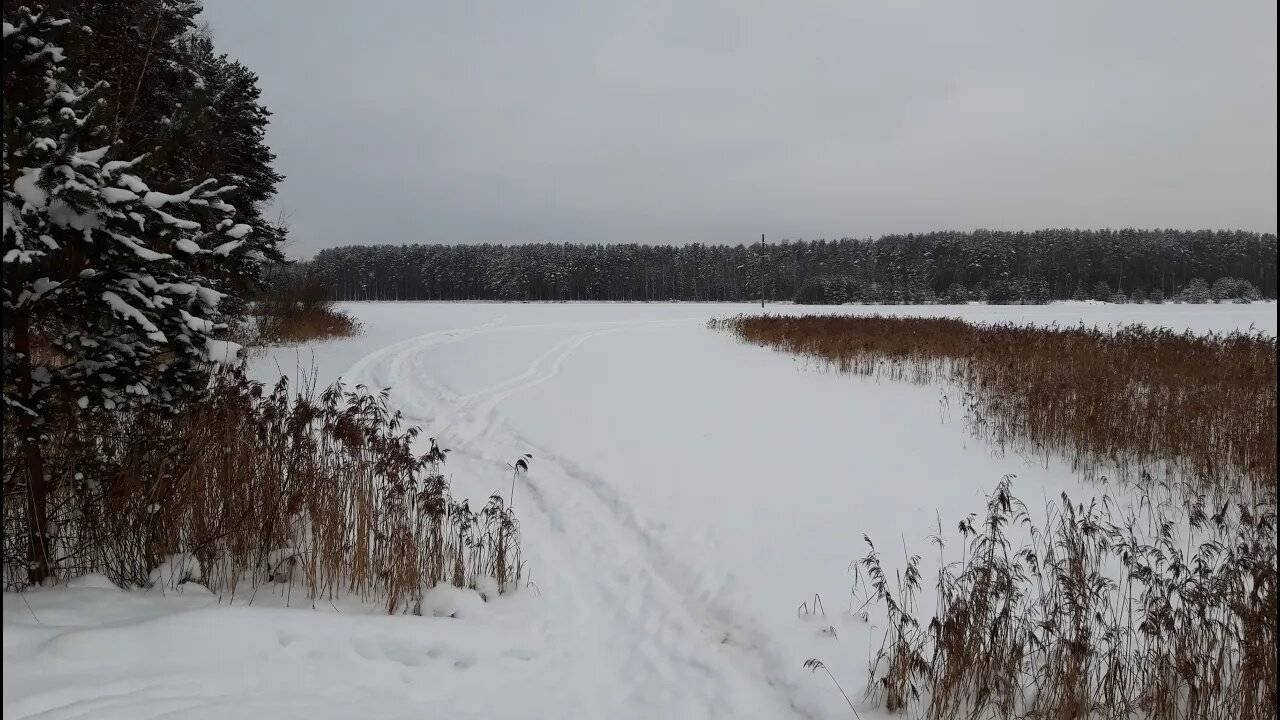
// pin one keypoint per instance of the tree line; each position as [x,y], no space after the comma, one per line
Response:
[986,265]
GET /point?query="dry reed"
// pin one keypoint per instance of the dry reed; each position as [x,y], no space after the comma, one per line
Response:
[265,485]
[298,310]
[1137,400]
[287,324]
[1163,609]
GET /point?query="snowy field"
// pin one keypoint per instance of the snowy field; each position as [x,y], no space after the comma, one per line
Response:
[687,494]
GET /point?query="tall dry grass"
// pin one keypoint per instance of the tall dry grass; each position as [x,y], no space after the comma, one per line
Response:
[299,309]
[1164,608]
[1131,401]
[318,489]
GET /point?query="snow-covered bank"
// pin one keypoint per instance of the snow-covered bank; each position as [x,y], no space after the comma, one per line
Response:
[91,651]
[687,494]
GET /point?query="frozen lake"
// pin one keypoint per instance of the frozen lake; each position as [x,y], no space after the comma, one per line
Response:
[688,493]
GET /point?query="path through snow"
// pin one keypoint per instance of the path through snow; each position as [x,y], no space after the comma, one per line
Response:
[687,494]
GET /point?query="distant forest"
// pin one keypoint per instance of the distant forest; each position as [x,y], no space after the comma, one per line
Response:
[984,265]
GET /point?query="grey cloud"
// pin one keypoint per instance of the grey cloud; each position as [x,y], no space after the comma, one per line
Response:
[716,121]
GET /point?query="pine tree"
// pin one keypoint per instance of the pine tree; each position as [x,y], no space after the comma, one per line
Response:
[1195,291]
[112,288]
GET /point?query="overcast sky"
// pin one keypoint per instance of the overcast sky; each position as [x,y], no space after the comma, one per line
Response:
[671,122]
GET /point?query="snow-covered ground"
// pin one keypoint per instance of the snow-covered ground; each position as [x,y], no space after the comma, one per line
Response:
[687,494]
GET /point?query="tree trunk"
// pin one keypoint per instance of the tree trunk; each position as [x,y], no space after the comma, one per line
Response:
[37,506]
[32,458]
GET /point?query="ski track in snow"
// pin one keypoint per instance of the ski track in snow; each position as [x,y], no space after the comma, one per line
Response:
[684,489]
[608,582]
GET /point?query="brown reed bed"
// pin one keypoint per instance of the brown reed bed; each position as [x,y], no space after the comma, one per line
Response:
[1164,608]
[1133,401]
[287,323]
[264,487]
[295,309]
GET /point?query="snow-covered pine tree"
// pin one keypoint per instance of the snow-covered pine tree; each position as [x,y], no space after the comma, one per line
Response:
[220,130]
[112,288]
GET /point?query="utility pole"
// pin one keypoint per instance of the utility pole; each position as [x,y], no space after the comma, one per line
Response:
[761,271]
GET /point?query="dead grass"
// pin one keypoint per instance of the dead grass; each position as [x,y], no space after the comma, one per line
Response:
[1134,401]
[318,490]
[1163,609]
[299,310]
[289,324]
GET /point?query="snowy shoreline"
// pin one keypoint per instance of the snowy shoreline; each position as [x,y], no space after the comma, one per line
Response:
[687,494]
